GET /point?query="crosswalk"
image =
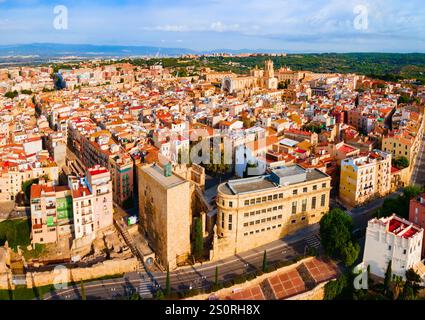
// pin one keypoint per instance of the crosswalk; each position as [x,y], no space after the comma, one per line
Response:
[313,241]
[145,289]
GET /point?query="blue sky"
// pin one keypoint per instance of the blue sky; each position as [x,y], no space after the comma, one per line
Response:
[287,25]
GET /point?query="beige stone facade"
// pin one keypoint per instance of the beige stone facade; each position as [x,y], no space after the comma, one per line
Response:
[255,211]
[165,218]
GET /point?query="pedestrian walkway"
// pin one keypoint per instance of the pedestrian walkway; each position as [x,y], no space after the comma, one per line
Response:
[313,241]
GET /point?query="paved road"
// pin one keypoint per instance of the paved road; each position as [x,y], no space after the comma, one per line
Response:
[199,276]
[418,175]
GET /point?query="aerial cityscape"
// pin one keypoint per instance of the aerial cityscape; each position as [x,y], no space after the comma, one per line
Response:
[136,171]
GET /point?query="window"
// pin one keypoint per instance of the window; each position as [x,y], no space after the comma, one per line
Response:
[270,198]
[404,251]
[275,197]
[389,247]
[222,220]
[323,200]
[245,224]
[252,202]
[280,195]
[258,200]
[323,185]
[313,203]
[247,202]
[304,205]
[230,221]
[294,207]
[246,214]
[264,199]
[279,216]
[315,187]
[295,192]
[305,190]
[230,204]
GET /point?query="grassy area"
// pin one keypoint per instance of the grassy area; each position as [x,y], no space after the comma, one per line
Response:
[35,253]
[15,232]
[23,293]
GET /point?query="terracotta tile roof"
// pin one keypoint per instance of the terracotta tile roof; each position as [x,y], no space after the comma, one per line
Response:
[252,293]
[287,284]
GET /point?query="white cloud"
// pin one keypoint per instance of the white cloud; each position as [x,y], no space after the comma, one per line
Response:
[219,26]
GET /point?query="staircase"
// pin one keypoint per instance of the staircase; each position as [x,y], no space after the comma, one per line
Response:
[130,243]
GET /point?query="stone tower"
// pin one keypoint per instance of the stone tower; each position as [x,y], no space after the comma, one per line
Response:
[268,69]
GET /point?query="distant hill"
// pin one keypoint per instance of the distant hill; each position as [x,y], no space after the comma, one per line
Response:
[86,50]
[46,50]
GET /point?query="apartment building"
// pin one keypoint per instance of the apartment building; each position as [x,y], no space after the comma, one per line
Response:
[401,144]
[78,210]
[51,212]
[16,168]
[258,210]
[364,177]
[392,239]
[165,218]
[97,147]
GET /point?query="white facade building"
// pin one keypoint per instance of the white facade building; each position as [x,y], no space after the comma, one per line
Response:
[395,239]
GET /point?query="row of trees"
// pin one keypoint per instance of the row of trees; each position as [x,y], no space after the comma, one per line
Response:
[393,288]
[399,205]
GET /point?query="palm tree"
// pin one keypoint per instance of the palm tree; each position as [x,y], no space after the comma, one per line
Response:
[398,285]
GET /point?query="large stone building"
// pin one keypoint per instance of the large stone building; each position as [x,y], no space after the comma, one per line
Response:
[165,218]
[364,177]
[257,79]
[258,210]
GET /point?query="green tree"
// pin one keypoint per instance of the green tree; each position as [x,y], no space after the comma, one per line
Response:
[411,286]
[336,232]
[350,253]
[388,278]
[401,162]
[217,168]
[83,291]
[11,94]
[168,283]
[398,285]
[198,248]
[159,295]
[334,289]
[135,296]
[265,263]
